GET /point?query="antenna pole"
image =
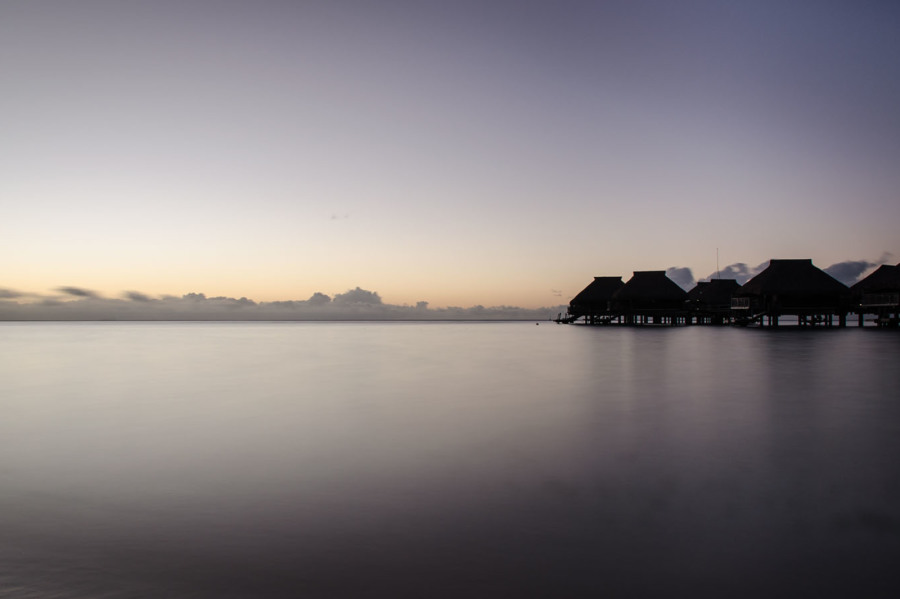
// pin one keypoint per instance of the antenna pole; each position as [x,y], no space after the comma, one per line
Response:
[718,274]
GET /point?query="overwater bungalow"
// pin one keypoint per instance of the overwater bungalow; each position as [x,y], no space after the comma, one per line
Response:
[593,302]
[792,287]
[879,294]
[650,297]
[709,302]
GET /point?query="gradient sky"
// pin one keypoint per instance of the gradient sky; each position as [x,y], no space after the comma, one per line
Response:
[458,152]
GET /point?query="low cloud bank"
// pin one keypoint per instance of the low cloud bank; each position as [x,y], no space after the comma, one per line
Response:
[355,304]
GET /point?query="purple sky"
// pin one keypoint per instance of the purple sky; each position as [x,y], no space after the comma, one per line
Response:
[459,153]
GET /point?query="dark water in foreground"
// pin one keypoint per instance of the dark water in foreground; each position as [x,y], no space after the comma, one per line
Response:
[447,460]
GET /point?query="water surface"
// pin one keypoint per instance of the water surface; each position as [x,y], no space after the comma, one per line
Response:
[446,460]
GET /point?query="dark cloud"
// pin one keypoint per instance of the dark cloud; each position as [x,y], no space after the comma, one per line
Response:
[9,294]
[357,296]
[848,272]
[682,276]
[136,296]
[77,292]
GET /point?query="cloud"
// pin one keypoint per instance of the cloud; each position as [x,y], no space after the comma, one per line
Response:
[355,304]
[682,276]
[357,296]
[10,294]
[318,299]
[136,296]
[739,271]
[849,271]
[77,292]
[231,302]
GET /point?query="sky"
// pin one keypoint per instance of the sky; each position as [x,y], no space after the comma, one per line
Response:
[458,153]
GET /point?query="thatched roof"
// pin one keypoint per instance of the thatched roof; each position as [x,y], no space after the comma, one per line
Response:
[885,278]
[598,293]
[713,293]
[650,286]
[797,278]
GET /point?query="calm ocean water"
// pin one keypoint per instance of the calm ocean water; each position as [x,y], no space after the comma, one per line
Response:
[447,460]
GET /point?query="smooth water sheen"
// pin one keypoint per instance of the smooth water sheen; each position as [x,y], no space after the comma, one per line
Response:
[447,460]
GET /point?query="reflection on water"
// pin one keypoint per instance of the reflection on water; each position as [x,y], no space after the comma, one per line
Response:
[478,460]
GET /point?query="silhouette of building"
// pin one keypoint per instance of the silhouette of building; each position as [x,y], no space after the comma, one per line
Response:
[593,302]
[650,296]
[709,302]
[879,294]
[792,287]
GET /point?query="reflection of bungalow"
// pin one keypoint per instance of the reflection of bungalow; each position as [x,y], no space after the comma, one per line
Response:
[650,296]
[593,302]
[792,287]
[710,301]
[879,294]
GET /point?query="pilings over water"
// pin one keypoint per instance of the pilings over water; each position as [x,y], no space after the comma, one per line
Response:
[773,319]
